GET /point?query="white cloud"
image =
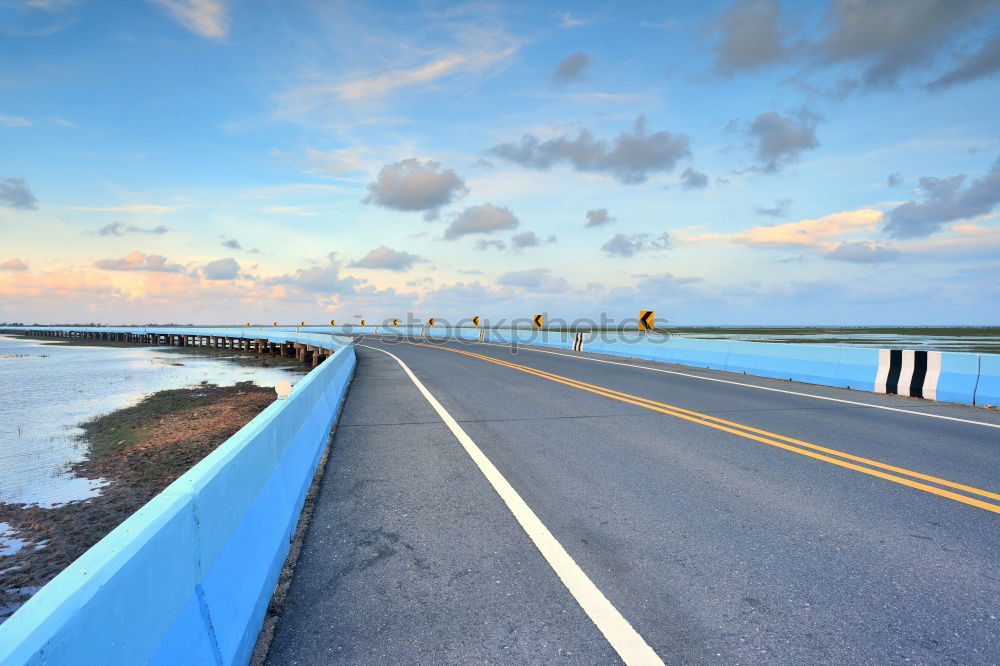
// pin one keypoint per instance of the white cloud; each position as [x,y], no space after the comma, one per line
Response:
[13,121]
[386,258]
[809,234]
[481,220]
[622,245]
[471,59]
[411,185]
[221,269]
[139,261]
[208,18]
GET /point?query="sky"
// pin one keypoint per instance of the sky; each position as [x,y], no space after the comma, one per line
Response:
[740,163]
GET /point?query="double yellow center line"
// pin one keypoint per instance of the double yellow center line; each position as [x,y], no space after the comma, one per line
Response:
[850,461]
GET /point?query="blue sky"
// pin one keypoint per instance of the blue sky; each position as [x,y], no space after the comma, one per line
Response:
[755,162]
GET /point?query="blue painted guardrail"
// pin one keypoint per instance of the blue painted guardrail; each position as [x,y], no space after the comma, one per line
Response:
[187,579]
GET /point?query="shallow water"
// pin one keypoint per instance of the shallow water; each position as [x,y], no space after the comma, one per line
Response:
[980,341]
[46,391]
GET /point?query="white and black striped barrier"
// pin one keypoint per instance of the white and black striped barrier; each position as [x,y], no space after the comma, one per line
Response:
[908,372]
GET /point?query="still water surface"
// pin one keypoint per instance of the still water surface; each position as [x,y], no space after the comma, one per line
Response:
[46,391]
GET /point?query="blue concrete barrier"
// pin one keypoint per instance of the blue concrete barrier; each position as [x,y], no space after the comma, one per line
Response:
[988,387]
[958,378]
[813,364]
[857,368]
[188,577]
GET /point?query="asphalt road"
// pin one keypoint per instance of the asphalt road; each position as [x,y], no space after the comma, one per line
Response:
[717,543]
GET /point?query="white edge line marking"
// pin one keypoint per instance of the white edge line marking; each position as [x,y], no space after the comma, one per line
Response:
[626,641]
[523,347]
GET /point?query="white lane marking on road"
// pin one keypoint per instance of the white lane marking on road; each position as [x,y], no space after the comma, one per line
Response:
[626,641]
[762,388]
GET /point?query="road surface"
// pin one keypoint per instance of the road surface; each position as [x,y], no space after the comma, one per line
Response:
[555,507]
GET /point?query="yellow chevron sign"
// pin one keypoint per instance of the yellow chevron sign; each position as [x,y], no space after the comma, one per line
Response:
[645,320]
[362,322]
[395,322]
[475,320]
[274,323]
[333,322]
[248,324]
[430,322]
[302,323]
[537,321]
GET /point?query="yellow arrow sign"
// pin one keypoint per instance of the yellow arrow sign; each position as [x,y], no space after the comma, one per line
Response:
[537,320]
[362,322]
[274,323]
[430,322]
[475,320]
[302,323]
[248,324]
[395,322]
[645,320]
[333,322]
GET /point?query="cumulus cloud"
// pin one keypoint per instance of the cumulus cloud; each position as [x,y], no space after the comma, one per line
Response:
[139,261]
[944,201]
[750,37]
[120,229]
[599,217]
[208,18]
[481,220]
[221,269]
[410,185]
[528,239]
[15,193]
[779,209]
[13,266]
[863,252]
[894,180]
[322,279]
[570,68]
[887,38]
[484,244]
[981,64]
[631,158]
[622,245]
[693,180]
[231,243]
[386,258]
[779,140]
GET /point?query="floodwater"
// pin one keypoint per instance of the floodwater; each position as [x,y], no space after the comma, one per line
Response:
[47,390]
